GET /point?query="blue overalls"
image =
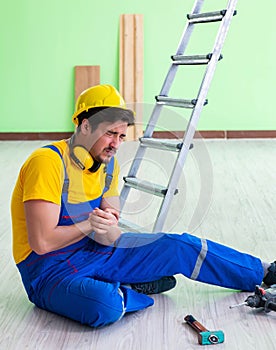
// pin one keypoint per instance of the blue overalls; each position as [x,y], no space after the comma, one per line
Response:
[88,282]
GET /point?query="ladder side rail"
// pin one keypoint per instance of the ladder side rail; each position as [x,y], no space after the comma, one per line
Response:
[184,40]
[191,128]
[132,172]
[153,120]
[166,202]
[164,91]
[188,29]
[197,6]
[157,108]
[123,196]
[180,51]
[209,72]
[165,88]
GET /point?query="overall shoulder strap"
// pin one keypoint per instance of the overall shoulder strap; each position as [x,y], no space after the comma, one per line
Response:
[109,174]
[54,148]
[66,180]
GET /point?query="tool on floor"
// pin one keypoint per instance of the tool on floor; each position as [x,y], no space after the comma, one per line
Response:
[196,17]
[265,298]
[205,337]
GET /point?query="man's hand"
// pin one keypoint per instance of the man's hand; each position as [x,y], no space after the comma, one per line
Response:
[114,212]
[105,225]
[111,205]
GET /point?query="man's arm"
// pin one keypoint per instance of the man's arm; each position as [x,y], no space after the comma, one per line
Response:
[43,233]
[111,205]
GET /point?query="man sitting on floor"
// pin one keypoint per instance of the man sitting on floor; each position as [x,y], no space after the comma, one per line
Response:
[68,247]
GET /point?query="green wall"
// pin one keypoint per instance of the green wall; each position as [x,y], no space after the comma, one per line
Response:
[42,41]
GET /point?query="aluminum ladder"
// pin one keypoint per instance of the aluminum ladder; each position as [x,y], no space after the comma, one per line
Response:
[196,105]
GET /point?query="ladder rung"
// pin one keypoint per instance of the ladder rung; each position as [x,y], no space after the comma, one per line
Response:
[173,145]
[177,102]
[145,186]
[194,59]
[207,17]
[126,226]
[167,145]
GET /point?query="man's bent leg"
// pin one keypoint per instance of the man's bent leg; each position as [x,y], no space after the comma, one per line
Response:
[89,301]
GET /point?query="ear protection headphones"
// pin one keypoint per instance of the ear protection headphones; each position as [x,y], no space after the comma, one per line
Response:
[82,158]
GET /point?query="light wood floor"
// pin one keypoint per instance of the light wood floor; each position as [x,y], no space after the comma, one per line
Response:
[227,193]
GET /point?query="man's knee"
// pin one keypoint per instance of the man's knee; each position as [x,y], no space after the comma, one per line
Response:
[107,309]
[100,315]
[88,301]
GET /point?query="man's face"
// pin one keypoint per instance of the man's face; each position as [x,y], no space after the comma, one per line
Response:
[106,140]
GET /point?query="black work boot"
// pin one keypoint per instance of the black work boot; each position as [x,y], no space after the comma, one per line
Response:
[270,277]
[155,287]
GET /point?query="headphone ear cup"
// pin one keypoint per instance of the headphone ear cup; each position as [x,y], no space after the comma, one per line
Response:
[81,157]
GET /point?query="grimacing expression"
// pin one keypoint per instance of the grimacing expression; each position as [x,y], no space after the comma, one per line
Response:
[107,138]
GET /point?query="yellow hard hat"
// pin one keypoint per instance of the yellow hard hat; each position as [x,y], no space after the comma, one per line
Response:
[98,96]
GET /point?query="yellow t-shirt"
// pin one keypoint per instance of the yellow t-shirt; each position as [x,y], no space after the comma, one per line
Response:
[41,177]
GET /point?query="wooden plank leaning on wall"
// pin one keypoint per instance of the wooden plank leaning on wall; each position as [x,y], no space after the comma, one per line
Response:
[85,77]
[131,68]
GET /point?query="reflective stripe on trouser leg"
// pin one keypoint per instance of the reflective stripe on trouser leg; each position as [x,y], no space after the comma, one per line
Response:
[123,303]
[133,300]
[227,267]
[200,259]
